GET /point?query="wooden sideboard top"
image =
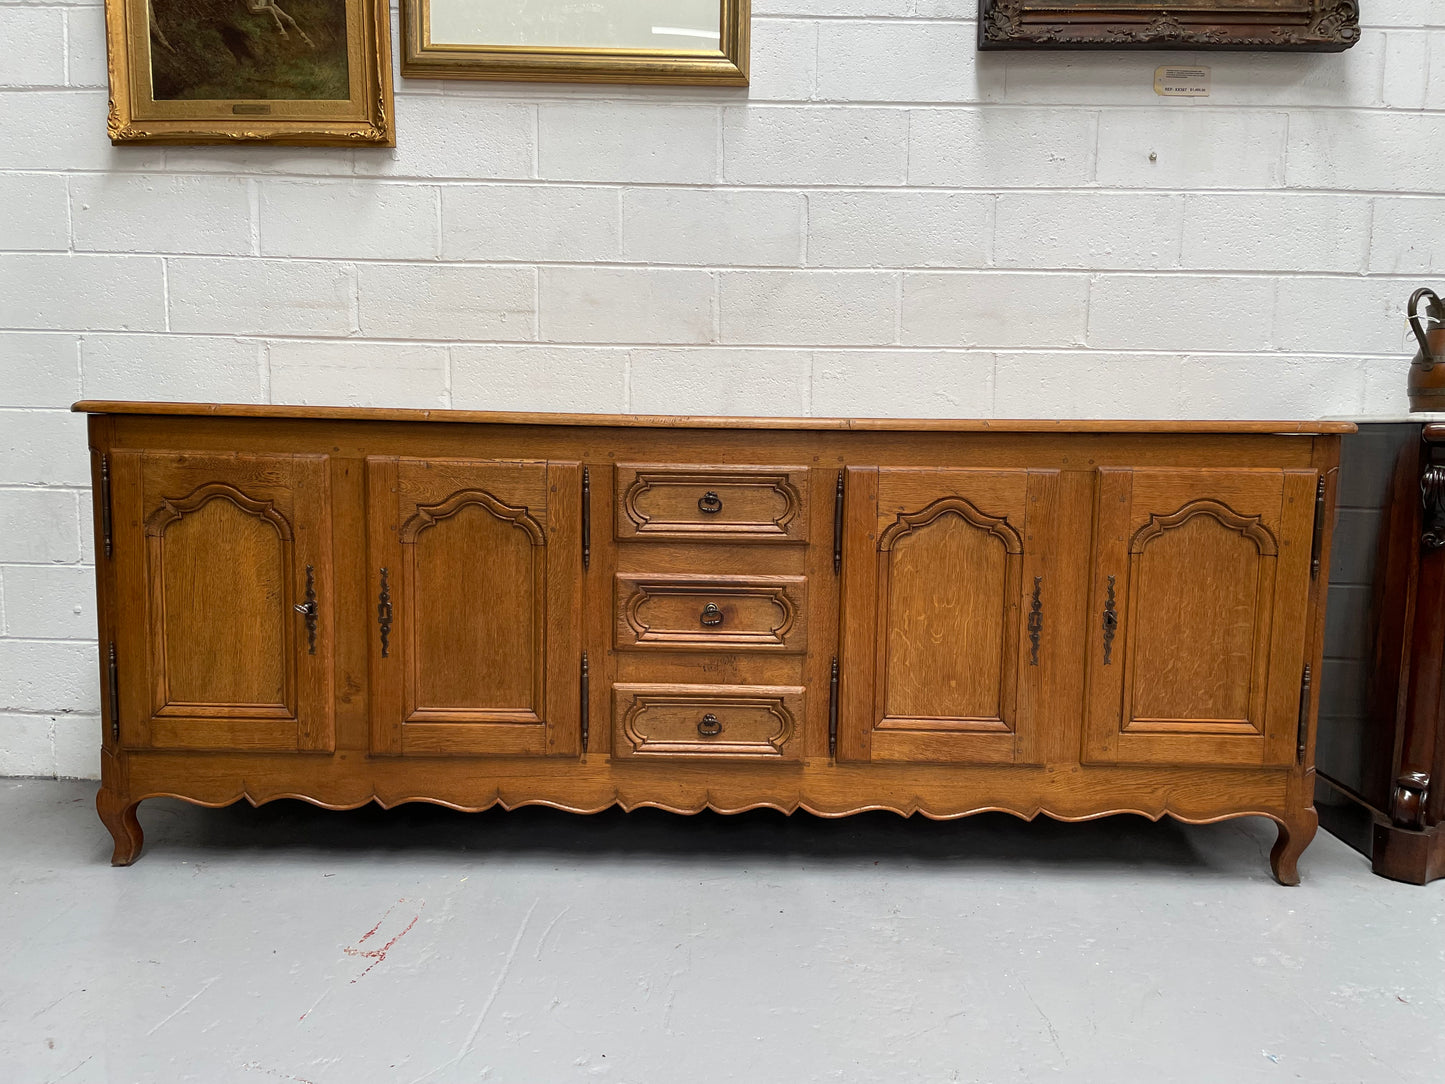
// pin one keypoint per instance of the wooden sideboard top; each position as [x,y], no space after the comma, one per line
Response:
[653,421]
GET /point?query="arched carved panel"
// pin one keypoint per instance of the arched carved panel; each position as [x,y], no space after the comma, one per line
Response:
[431,514]
[912,521]
[1249,526]
[949,579]
[1199,600]
[171,510]
[475,607]
[220,576]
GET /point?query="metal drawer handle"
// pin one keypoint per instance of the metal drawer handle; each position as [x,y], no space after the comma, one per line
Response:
[711,615]
[709,725]
[709,503]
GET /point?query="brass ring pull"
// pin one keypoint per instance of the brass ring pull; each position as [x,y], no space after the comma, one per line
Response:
[709,503]
[709,725]
[711,615]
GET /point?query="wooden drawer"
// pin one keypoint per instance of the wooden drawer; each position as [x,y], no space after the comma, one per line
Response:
[712,504]
[741,722]
[712,613]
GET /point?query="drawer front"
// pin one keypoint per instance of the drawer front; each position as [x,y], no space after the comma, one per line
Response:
[712,504]
[737,722]
[712,613]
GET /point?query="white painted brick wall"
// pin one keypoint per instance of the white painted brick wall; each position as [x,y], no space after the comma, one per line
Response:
[885,223]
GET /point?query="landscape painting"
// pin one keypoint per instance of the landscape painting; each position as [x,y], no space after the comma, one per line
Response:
[223,49]
[303,72]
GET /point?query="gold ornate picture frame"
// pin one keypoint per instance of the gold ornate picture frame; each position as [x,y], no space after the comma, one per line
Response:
[552,41]
[1326,26]
[306,72]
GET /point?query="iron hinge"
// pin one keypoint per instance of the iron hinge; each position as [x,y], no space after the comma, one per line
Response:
[838,526]
[1318,542]
[1304,715]
[586,712]
[586,519]
[833,711]
[113,675]
[105,513]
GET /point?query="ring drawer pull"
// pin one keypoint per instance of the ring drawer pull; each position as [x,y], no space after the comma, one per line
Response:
[710,503]
[711,615]
[709,725]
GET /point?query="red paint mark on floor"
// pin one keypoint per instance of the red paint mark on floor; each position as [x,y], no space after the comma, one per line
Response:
[377,955]
[373,930]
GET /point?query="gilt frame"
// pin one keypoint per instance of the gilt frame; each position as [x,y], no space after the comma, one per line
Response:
[1289,25]
[363,118]
[725,66]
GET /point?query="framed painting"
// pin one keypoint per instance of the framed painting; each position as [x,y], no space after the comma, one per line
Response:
[1326,26]
[312,72]
[591,41]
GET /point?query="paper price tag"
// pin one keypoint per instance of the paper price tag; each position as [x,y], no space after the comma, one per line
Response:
[1181,82]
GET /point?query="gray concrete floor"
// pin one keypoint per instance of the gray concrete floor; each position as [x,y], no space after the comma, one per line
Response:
[292,944]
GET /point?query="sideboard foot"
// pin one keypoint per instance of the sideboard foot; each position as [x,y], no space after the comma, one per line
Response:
[1294,836]
[118,816]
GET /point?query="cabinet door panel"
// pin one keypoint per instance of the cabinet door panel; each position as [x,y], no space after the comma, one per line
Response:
[1206,574]
[221,553]
[935,637]
[481,563]
[477,599]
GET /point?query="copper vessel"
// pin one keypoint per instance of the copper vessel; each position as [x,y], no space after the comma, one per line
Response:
[1427,368]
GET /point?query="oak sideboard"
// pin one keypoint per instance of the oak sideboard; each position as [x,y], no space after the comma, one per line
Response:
[942,617]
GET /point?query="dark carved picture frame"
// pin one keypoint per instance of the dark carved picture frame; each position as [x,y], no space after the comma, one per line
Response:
[1326,26]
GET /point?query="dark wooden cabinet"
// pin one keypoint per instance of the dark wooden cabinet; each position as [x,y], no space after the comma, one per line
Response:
[937,617]
[1382,728]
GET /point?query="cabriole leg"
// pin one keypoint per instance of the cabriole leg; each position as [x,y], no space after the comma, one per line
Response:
[1294,836]
[118,816]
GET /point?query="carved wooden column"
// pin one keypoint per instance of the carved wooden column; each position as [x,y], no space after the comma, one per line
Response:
[1412,846]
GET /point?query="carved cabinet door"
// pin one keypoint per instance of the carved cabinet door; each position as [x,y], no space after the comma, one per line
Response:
[946,586]
[1199,612]
[476,599]
[228,557]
